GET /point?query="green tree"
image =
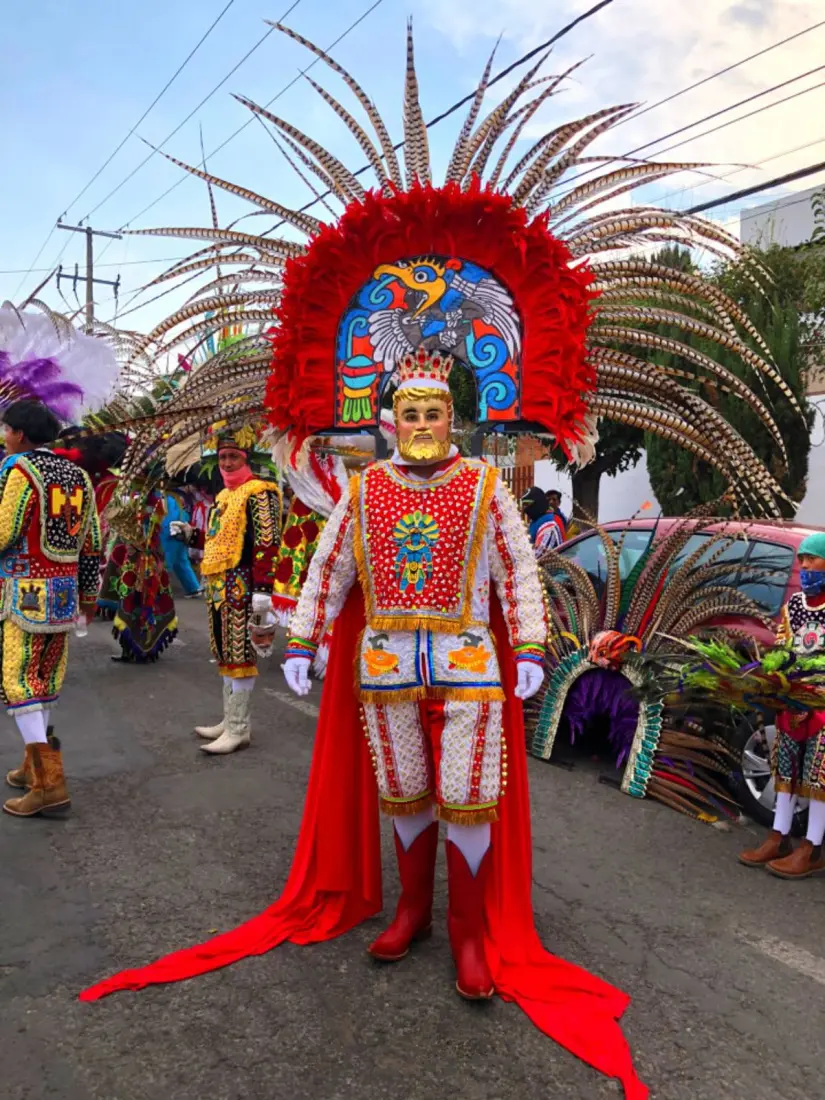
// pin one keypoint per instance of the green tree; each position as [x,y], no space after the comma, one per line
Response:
[785,318]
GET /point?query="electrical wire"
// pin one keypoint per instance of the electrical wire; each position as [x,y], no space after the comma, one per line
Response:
[111,157]
[801,173]
[445,114]
[192,113]
[630,117]
[742,168]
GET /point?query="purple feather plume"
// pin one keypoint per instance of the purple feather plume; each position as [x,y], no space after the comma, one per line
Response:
[41,380]
[604,693]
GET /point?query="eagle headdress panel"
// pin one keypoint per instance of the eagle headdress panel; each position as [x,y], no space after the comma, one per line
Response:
[519,266]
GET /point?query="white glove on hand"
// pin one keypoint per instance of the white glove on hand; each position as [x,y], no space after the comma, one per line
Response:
[180,530]
[530,677]
[296,671]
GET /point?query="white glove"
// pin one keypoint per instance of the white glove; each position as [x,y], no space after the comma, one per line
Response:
[530,677]
[180,530]
[296,671]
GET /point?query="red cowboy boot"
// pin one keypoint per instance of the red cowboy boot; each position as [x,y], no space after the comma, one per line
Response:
[414,914]
[465,923]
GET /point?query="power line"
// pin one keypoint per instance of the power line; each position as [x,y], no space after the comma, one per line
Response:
[232,136]
[123,263]
[801,173]
[106,163]
[629,118]
[223,144]
[742,168]
[151,106]
[193,112]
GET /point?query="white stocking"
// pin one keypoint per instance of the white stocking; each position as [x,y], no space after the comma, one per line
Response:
[472,841]
[32,726]
[410,826]
[816,822]
[246,683]
[783,814]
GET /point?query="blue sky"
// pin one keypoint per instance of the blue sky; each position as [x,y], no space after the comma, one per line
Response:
[77,77]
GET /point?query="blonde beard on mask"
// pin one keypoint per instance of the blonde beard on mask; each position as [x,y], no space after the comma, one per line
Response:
[423,448]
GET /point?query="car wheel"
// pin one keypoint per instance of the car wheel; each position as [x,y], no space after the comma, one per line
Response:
[753,783]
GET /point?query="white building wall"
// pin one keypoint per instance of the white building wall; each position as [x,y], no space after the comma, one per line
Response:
[788,221]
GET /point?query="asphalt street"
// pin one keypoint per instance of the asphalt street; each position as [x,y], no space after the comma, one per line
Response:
[164,845]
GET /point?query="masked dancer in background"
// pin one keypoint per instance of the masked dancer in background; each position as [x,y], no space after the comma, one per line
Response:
[240,544]
[136,590]
[798,753]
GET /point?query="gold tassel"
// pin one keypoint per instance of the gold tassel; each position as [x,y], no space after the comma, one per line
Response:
[400,808]
[455,816]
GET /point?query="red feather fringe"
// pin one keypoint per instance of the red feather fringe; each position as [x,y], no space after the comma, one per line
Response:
[553,298]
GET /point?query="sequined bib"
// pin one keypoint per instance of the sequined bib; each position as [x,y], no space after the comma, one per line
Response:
[417,544]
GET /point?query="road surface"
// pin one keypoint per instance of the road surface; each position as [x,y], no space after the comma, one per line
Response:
[726,966]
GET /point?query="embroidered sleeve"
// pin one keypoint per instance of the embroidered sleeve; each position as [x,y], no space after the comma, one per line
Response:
[16,503]
[332,573]
[784,633]
[88,565]
[264,514]
[516,577]
[299,541]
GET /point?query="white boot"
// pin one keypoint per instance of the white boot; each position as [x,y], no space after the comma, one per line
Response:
[237,732]
[211,733]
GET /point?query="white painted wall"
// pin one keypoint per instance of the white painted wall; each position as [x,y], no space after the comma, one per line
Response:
[812,510]
[619,497]
[787,221]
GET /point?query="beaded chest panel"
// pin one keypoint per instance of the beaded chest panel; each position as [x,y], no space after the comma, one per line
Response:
[417,544]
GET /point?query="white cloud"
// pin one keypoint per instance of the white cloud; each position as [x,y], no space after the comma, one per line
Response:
[644,50]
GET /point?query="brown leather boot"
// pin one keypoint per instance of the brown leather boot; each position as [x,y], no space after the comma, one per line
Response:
[774,846]
[414,915]
[805,861]
[22,778]
[48,792]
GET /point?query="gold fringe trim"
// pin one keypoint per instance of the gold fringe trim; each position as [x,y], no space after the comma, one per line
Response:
[405,807]
[413,695]
[784,786]
[434,622]
[454,815]
[245,673]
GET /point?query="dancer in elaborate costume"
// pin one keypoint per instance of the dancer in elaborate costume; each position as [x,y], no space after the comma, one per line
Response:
[239,547]
[136,590]
[49,535]
[514,278]
[425,536]
[798,756]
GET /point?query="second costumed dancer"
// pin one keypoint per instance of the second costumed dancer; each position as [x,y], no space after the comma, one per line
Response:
[240,544]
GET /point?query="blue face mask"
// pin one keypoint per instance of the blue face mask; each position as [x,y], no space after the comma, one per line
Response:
[812,581]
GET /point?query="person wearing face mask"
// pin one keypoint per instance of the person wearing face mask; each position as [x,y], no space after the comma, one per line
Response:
[798,756]
[240,544]
[545,528]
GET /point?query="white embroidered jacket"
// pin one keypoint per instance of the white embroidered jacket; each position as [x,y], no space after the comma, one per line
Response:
[422,660]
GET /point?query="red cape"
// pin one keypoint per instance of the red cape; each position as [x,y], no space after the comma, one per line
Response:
[335,880]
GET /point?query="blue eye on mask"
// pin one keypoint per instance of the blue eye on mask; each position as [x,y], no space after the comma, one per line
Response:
[812,581]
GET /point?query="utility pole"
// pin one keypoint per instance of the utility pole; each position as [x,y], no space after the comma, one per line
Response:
[89,278]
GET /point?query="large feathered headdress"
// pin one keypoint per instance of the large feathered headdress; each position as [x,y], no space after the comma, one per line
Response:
[536,283]
[44,358]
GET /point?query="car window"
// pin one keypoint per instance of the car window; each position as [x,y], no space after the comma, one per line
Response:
[769,591]
[589,553]
[734,552]
[745,554]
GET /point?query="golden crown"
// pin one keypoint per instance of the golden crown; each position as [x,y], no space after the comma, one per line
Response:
[422,367]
